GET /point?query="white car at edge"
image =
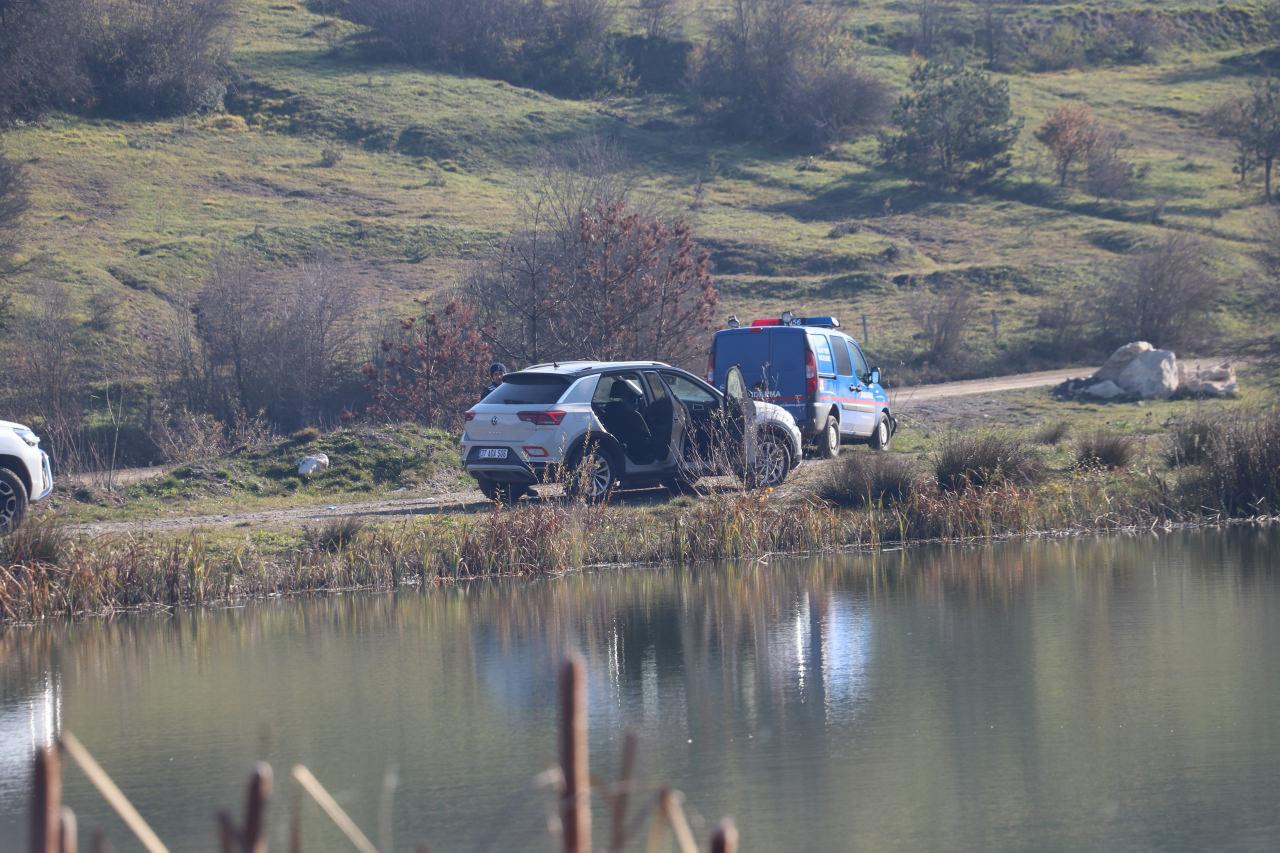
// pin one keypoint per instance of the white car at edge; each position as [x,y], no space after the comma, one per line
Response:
[25,474]
[632,424]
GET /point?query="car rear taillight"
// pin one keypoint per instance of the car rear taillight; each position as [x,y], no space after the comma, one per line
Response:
[810,374]
[711,368]
[552,418]
[469,417]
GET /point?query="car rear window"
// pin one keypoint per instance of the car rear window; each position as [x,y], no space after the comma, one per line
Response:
[529,389]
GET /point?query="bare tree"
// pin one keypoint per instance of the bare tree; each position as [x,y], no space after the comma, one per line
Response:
[993,32]
[1163,294]
[943,319]
[660,18]
[1070,133]
[932,18]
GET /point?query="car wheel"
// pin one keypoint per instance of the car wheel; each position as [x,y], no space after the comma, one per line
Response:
[773,461]
[593,477]
[13,501]
[505,494]
[881,435]
[829,439]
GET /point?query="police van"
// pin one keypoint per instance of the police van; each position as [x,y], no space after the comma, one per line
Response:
[809,367]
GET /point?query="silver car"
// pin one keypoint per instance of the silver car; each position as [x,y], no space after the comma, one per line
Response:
[597,426]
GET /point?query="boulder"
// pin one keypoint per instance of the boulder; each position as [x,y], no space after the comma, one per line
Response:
[1151,375]
[1120,359]
[1104,390]
[308,465]
[1216,381]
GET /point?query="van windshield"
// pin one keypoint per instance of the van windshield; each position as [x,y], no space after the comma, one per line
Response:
[529,389]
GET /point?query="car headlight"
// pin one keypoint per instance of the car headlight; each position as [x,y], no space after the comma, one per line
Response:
[27,435]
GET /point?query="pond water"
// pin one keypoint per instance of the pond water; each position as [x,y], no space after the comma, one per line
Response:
[1118,693]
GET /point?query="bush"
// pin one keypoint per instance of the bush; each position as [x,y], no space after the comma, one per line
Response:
[955,128]
[773,70]
[1163,294]
[1242,467]
[984,459]
[14,201]
[859,479]
[330,156]
[40,540]
[336,535]
[564,47]
[306,435]
[1189,439]
[41,57]
[1103,449]
[1052,433]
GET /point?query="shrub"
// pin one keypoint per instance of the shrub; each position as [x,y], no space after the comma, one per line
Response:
[859,479]
[1163,293]
[1107,174]
[955,127]
[1242,467]
[773,69]
[41,57]
[306,435]
[943,319]
[983,459]
[1189,439]
[330,156]
[1051,433]
[1104,449]
[40,540]
[14,200]
[336,535]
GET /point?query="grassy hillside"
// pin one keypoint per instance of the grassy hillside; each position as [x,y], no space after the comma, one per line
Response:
[431,164]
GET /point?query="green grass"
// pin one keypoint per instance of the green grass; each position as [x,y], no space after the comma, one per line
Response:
[433,163]
[364,462]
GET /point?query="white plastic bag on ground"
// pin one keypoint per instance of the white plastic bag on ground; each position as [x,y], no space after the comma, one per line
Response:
[308,465]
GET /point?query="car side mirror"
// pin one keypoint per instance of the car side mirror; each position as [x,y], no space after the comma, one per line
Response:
[875,376]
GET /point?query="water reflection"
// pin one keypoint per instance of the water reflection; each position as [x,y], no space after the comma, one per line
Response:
[1115,692]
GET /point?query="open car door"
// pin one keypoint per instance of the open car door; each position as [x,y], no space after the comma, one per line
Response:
[739,426]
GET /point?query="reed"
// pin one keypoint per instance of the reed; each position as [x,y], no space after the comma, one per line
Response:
[979,459]
[1103,449]
[1240,475]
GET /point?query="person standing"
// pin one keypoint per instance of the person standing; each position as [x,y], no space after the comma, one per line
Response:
[496,371]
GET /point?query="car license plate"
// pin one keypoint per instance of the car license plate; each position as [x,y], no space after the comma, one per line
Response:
[492,453]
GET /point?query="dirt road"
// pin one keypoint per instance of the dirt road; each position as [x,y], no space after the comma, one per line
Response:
[905,399]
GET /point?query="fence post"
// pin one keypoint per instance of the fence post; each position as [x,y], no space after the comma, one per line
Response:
[866,335]
[46,801]
[574,762]
[995,325]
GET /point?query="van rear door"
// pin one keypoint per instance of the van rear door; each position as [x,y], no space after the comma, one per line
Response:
[771,359]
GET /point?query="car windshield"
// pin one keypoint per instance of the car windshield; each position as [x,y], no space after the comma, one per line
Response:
[529,389]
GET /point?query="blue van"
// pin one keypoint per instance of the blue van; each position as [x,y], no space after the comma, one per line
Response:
[814,371]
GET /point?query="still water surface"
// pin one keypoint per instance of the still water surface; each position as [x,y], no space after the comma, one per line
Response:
[1116,693]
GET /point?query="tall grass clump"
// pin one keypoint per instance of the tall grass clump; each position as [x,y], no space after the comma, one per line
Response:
[1051,433]
[1189,438]
[878,479]
[1241,471]
[981,459]
[1102,449]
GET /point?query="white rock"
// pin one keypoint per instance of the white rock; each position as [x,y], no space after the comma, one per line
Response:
[1120,359]
[308,465]
[1216,381]
[1151,375]
[1105,390]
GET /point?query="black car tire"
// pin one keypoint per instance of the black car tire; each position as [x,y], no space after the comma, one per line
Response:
[506,494]
[829,439]
[13,501]
[773,461]
[597,485]
[882,435]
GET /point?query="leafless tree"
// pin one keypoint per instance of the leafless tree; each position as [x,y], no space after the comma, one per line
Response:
[1164,294]
[943,319]
[932,18]
[994,33]
[660,18]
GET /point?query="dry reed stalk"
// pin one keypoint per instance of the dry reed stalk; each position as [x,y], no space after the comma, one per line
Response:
[574,760]
[46,801]
[618,835]
[725,839]
[330,807]
[112,794]
[67,833]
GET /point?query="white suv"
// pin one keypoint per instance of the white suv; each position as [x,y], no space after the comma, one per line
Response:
[25,475]
[598,425]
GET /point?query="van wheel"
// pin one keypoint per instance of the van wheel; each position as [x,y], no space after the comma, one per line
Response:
[13,501]
[505,494]
[881,435]
[829,439]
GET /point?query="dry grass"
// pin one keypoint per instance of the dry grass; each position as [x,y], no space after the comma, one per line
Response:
[1103,449]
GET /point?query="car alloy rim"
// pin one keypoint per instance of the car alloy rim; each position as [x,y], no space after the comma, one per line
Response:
[8,503]
[771,462]
[884,433]
[601,477]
